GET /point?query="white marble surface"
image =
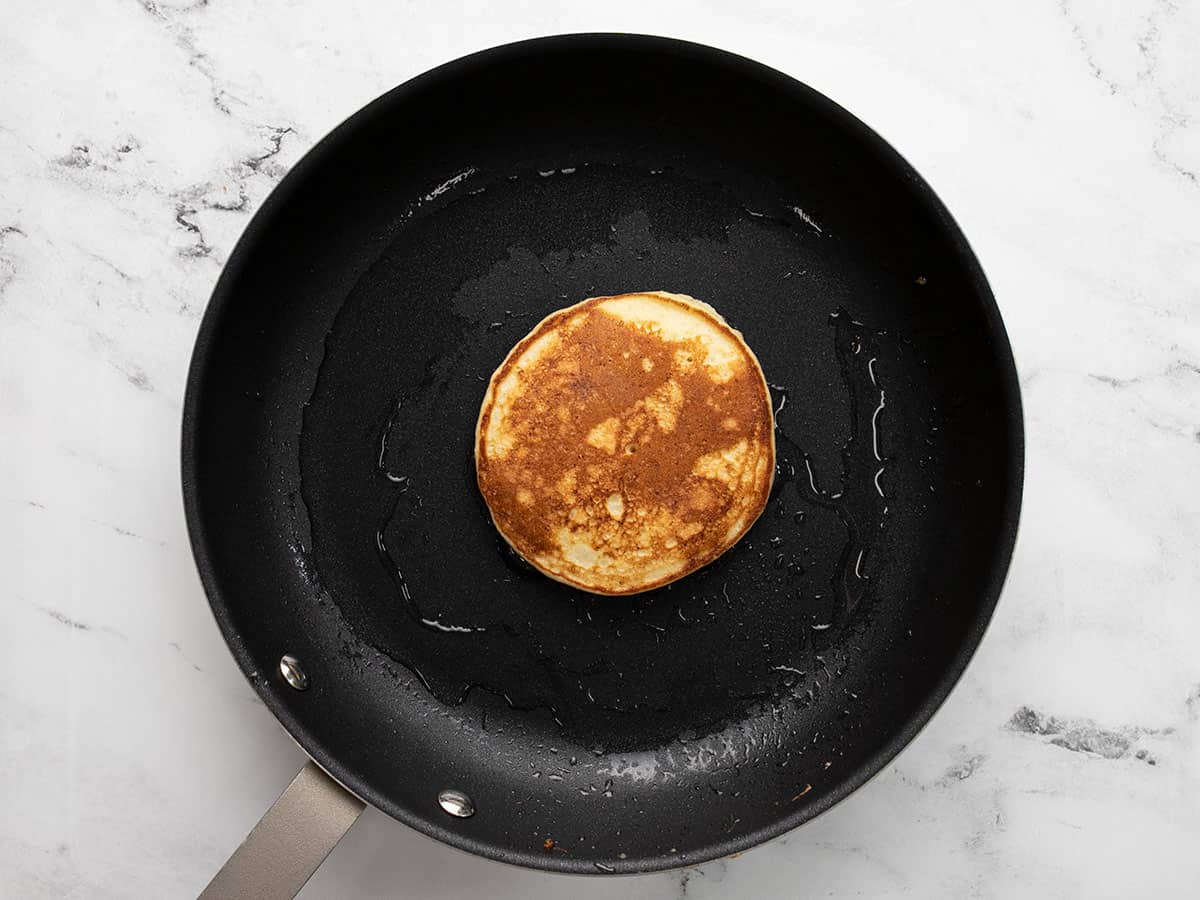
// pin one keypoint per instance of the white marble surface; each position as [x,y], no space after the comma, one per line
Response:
[137,138]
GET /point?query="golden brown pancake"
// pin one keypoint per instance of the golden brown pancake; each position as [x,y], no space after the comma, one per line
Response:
[626,441]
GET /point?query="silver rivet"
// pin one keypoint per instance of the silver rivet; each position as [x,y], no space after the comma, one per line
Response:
[292,673]
[456,803]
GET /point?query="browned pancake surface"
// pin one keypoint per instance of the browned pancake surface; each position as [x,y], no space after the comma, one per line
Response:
[626,441]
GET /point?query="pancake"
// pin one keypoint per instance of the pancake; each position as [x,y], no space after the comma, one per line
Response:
[626,441]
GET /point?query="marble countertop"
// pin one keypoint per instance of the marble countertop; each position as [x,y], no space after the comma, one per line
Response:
[137,138]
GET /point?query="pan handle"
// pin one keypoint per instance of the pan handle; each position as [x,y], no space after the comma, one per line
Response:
[291,839]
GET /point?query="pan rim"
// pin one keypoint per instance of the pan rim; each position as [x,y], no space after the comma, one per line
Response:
[223,296]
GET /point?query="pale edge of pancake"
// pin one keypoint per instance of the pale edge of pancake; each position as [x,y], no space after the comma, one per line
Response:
[519,348]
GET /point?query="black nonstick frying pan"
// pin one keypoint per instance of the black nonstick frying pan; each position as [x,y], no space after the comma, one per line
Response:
[330,490]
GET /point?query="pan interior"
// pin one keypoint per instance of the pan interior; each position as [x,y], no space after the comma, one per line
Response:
[335,392]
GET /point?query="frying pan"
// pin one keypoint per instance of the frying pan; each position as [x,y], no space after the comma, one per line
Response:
[329,480]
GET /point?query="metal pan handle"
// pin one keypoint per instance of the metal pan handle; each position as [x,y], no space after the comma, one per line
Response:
[289,842]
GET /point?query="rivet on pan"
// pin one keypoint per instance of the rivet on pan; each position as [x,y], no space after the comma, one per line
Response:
[292,673]
[456,803]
